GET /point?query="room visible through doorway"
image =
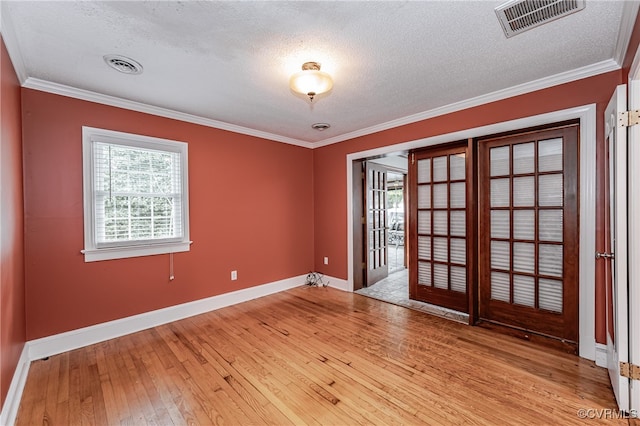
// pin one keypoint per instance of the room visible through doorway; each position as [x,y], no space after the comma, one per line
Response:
[383,249]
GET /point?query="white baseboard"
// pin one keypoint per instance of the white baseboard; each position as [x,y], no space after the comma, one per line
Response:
[75,339]
[14,395]
[601,355]
[336,283]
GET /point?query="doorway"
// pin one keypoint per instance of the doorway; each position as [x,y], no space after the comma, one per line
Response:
[381,211]
[586,116]
[368,249]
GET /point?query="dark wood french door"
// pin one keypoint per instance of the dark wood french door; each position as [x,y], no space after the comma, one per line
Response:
[528,231]
[438,227]
[376,237]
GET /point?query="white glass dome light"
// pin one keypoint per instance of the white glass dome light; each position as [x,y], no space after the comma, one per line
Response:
[311,81]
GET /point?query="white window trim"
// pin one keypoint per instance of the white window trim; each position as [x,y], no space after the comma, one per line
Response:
[91,252]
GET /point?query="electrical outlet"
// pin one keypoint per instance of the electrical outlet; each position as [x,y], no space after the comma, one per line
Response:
[326,260]
[234,275]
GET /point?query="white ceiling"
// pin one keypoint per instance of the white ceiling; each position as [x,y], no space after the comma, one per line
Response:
[228,64]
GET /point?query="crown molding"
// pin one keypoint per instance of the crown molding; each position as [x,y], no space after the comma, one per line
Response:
[629,15]
[10,41]
[521,89]
[87,95]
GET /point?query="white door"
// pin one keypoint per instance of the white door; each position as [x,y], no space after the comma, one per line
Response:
[617,283]
[634,243]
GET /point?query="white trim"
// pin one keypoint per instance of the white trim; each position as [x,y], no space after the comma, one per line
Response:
[110,253]
[14,394]
[601,355]
[63,342]
[532,86]
[337,283]
[587,116]
[87,95]
[629,15]
[9,37]
[587,241]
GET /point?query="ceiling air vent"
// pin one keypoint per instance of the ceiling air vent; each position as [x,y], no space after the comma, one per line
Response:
[320,126]
[123,64]
[517,16]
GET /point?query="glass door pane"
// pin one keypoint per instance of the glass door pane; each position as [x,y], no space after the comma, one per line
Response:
[440,192]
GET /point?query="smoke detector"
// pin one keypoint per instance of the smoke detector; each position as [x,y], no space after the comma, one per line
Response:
[517,16]
[123,64]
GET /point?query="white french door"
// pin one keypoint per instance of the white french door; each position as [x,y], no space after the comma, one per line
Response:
[617,280]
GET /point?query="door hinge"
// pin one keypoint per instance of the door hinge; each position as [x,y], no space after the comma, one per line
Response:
[630,371]
[364,222]
[628,118]
[604,255]
[364,265]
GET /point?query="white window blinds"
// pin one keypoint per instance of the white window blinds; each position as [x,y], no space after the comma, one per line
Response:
[526,228]
[136,195]
[441,200]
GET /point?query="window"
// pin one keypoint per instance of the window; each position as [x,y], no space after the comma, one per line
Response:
[135,195]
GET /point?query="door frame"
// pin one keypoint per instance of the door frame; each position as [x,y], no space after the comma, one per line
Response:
[587,117]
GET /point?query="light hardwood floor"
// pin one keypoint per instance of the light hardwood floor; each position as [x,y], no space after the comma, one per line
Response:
[314,356]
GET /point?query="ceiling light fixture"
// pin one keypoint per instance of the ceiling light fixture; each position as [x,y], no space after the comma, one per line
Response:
[311,81]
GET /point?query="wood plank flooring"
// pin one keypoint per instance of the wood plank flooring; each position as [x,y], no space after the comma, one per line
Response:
[315,356]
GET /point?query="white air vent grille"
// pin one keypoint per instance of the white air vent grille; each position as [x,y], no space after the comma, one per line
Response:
[517,16]
[123,64]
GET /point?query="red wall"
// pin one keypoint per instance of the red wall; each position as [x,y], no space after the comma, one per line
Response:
[12,314]
[249,211]
[330,162]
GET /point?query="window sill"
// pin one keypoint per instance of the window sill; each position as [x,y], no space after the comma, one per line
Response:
[94,255]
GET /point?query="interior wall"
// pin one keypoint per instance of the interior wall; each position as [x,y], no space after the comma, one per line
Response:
[12,306]
[249,211]
[330,163]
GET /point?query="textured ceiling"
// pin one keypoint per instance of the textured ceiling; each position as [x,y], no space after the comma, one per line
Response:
[231,61]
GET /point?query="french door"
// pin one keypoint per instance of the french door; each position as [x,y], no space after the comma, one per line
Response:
[528,227]
[376,238]
[438,227]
